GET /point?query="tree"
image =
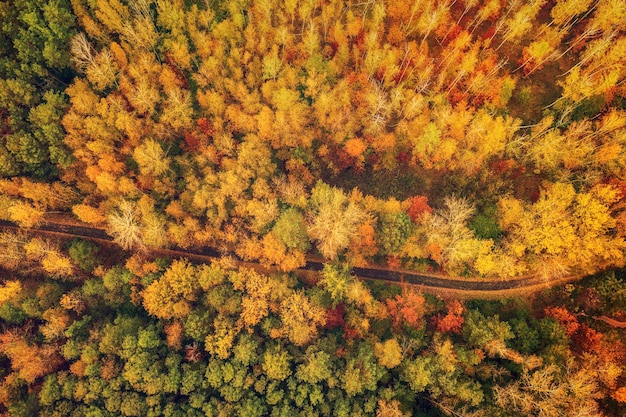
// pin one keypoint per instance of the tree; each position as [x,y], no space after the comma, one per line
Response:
[34,67]
[172,295]
[300,318]
[332,219]
[124,225]
[407,309]
[548,392]
[151,158]
[316,367]
[30,361]
[276,363]
[563,228]
[389,353]
[488,333]
[25,214]
[9,290]
[453,320]
[393,230]
[290,228]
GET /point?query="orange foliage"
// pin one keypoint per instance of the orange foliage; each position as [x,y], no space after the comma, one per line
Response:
[407,308]
[453,320]
[138,266]
[174,335]
[30,361]
[620,395]
[355,147]
[78,368]
[394,262]
[565,318]
[434,252]
[363,244]
[418,208]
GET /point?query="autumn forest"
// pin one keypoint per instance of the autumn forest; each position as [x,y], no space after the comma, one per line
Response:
[457,139]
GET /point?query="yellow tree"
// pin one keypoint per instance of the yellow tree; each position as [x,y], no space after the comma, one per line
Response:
[300,318]
[172,295]
[333,219]
[563,229]
[26,214]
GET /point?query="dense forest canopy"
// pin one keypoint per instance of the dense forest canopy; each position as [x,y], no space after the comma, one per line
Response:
[473,139]
[483,139]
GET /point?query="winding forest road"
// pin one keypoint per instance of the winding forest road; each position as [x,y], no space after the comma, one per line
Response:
[439,284]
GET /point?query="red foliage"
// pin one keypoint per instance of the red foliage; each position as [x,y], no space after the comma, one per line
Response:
[455,96]
[360,40]
[407,309]
[291,55]
[419,207]
[452,34]
[478,100]
[191,142]
[341,352]
[204,126]
[343,160]
[534,196]
[451,322]
[565,318]
[373,159]
[350,332]
[403,157]
[587,339]
[501,166]
[193,353]
[489,33]
[334,317]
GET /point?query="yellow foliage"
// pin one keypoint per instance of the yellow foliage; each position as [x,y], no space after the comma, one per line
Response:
[255,302]
[57,264]
[9,290]
[220,342]
[25,214]
[389,353]
[301,318]
[172,294]
[88,214]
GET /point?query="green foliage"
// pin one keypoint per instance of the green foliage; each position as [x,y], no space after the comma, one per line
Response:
[485,224]
[83,253]
[335,280]
[276,364]
[588,108]
[50,391]
[394,229]
[479,330]
[34,66]
[291,230]
[523,95]
[12,314]
[526,338]
[612,288]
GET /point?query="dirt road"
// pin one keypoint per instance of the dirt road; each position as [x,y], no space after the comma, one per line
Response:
[439,284]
